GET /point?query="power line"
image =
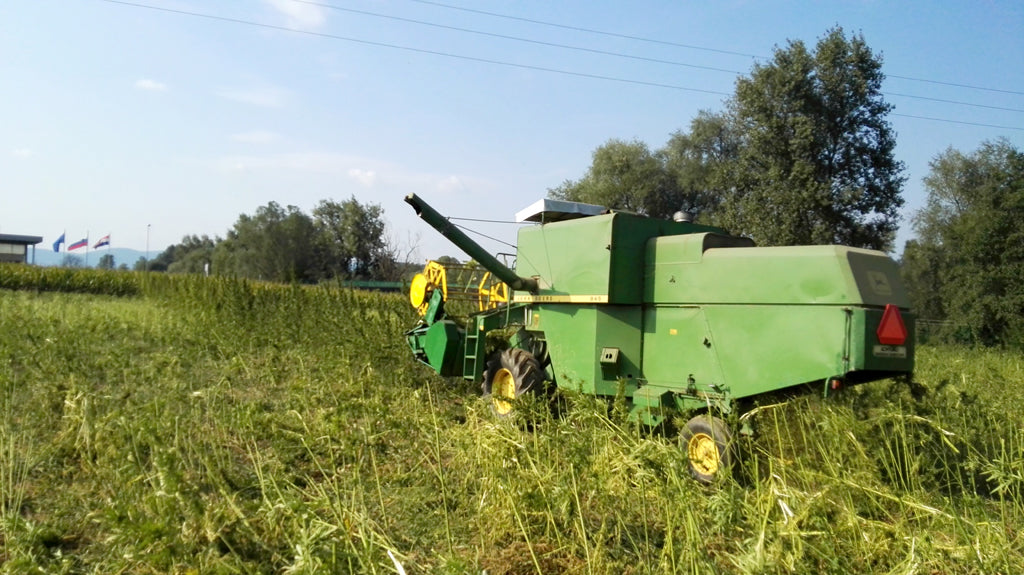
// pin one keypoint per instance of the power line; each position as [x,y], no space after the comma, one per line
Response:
[513,64]
[603,52]
[418,50]
[676,44]
[517,38]
[948,121]
[954,84]
[580,29]
[954,102]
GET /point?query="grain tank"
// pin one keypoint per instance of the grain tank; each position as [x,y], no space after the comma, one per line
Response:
[676,316]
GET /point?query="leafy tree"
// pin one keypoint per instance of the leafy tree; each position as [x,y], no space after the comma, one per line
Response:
[803,154]
[973,223]
[350,239]
[274,244]
[71,261]
[703,161]
[448,260]
[816,164]
[161,262]
[193,254]
[626,176]
[922,267]
[106,262]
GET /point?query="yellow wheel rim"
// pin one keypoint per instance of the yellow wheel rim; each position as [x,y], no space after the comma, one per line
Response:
[418,291]
[503,389]
[703,452]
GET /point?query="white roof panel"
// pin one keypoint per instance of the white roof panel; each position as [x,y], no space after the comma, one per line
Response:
[548,210]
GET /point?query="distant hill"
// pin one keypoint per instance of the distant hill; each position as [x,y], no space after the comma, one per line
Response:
[47,257]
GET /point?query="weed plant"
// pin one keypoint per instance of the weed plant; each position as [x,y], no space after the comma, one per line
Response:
[214,425]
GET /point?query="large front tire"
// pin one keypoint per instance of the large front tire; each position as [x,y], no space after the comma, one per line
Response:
[708,444]
[510,375]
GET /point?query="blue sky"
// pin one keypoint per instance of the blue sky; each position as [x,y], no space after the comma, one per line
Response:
[115,117]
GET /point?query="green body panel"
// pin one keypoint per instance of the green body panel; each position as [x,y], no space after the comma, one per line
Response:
[439,345]
[595,256]
[867,355]
[679,348]
[577,334]
[763,348]
[678,270]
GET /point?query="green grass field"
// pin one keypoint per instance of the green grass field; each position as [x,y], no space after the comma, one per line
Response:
[220,426]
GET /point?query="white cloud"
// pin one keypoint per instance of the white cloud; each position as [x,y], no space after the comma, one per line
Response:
[300,14]
[22,152]
[255,137]
[451,184]
[365,177]
[150,85]
[316,162]
[366,172]
[262,97]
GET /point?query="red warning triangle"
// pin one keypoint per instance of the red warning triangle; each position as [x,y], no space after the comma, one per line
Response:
[891,330]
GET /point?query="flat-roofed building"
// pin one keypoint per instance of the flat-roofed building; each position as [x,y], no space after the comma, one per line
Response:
[15,248]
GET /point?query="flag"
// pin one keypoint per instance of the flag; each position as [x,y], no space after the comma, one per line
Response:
[104,241]
[56,244]
[84,242]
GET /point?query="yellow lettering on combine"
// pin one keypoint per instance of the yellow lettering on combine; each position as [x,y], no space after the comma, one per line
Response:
[527,298]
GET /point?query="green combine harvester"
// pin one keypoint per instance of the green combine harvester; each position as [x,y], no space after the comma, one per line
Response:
[679,318]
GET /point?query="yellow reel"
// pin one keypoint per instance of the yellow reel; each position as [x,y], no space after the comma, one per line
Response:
[424,284]
[491,293]
[457,282]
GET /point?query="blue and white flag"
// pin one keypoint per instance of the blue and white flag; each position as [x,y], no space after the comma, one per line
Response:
[56,244]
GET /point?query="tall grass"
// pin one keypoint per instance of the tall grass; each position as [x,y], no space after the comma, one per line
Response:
[224,426]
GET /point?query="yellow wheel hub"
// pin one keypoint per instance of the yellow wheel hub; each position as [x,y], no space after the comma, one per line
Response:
[503,389]
[418,290]
[703,453]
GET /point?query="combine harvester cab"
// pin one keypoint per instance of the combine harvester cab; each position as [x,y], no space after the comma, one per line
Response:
[680,317]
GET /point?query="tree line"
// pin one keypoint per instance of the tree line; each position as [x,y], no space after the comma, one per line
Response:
[344,240]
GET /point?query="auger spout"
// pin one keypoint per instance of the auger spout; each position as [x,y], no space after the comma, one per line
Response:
[455,235]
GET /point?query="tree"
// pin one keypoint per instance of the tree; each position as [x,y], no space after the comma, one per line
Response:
[193,254]
[816,163]
[350,239]
[972,228]
[803,154]
[161,262]
[923,269]
[703,161]
[106,262]
[274,244]
[626,176]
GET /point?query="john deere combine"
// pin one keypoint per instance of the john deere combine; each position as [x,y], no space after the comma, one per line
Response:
[678,317]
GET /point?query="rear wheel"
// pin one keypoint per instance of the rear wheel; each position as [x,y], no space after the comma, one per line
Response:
[708,444]
[510,375]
